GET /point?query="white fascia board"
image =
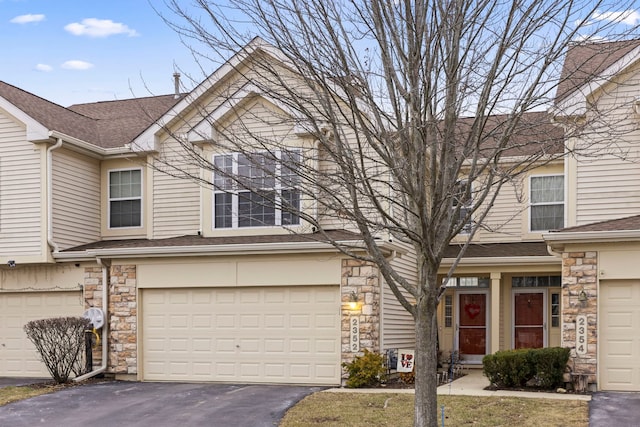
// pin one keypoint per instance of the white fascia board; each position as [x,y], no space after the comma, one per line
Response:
[576,103]
[146,140]
[493,261]
[35,130]
[592,236]
[204,130]
[203,250]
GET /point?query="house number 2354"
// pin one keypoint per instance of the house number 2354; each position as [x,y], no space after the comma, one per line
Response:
[354,336]
[581,335]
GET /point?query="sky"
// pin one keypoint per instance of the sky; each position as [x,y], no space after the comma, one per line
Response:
[77,51]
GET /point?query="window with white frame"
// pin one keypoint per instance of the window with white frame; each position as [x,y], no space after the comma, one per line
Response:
[258,190]
[125,198]
[463,200]
[546,199]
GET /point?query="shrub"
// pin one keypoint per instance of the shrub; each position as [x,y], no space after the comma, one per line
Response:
[366,370]
[514,368]
[60,342]
[549,364]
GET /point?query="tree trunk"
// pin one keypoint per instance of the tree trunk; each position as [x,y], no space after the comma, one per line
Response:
[426,403]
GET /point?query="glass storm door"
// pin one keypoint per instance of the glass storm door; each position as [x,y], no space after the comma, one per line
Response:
[472,326]
[529,324]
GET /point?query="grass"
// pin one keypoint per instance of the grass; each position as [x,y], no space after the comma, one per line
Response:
[328,409]
[15,393]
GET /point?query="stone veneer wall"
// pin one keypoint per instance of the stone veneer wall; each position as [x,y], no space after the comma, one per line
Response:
[362,278]
[579,272]
[93,298]
[123,311]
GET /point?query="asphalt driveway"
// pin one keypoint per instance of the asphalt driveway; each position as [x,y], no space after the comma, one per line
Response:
[618,409]
[120,403]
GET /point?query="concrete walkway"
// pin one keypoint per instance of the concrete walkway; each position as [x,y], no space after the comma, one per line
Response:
[472,384]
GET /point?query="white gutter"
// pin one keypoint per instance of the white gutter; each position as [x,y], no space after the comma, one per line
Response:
[105,327]
[227,249]
[492,261]
[593,236]
[50,241]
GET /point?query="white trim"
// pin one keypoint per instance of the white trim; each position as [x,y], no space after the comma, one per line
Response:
[147,140]
[234,192]
[576,103]
[109,227]
[36,131]
[227,249]
[563,203]
[545,326]
[486,261]
[592,236]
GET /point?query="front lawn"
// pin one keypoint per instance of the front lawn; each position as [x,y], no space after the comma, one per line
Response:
[327,409]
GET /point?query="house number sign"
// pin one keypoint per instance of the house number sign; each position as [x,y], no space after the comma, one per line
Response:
[354,337]
[581,335]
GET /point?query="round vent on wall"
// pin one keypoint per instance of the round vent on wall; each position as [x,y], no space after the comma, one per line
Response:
[95,316]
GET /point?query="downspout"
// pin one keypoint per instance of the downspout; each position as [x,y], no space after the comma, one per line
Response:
[105,328]
[53,245]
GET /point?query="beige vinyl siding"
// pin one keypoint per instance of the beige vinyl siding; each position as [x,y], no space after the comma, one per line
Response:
[607,189]
[76,199]
[505,220]
[608,180]
[21,192]
[398,329]
[176,203]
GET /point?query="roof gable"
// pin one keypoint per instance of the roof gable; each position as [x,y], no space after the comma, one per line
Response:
[146,141]
[587,67]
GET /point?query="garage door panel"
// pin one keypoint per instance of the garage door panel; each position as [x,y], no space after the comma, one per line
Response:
[266,338]
[18,356]
[619,362]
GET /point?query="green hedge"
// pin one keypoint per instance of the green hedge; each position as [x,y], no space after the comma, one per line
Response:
[515,368]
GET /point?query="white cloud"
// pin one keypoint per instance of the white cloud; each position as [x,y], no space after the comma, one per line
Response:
[93,27]
[76,65]
[44,67]
[26,19]
[627,17]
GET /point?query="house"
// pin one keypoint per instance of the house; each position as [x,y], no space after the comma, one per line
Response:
[558,263]
[91,217]
[88,218]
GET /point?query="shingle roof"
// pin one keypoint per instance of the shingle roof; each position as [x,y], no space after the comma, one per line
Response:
[106,124]
[52,116]
[194,240]
[584,61]
[119,122]
[535,134]
[620,224]
[499,250]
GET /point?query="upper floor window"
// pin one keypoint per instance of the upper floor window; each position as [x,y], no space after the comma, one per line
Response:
[547,202]
[258,190]
[125,198]
[463,200]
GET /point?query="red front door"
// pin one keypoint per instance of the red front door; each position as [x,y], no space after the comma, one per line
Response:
[472,325]
[528,320]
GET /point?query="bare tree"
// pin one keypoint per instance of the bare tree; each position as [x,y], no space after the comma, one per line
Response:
[412,116]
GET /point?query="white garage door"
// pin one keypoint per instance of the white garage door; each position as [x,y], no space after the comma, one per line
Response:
[619,343]
[253,335]
[18,356]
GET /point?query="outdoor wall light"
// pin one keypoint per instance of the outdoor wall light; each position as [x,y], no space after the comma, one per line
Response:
[353,300]
[11,263]
[582,296]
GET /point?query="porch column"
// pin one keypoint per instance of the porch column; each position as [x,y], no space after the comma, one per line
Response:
[495,311]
